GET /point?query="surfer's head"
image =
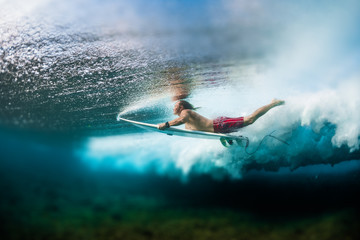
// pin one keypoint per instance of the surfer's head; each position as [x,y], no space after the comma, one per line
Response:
[181,105]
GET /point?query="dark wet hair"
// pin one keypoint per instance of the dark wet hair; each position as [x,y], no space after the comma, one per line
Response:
[187,105]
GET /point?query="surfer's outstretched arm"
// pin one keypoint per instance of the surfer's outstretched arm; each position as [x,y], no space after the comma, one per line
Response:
[261,111]
[183,118]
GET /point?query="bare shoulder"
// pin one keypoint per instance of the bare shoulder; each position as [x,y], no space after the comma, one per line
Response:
[186,112]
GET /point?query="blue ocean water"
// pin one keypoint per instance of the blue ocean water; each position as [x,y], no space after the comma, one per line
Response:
[69,68]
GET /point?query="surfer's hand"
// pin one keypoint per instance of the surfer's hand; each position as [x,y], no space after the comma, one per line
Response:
[163,126]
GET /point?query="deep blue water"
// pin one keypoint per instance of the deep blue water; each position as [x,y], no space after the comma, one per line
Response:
[68,69]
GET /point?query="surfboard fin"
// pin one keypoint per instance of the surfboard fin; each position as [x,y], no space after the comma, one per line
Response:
[223,142]
[226,142]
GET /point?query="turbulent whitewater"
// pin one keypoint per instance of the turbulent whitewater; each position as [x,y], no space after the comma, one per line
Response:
[69,78]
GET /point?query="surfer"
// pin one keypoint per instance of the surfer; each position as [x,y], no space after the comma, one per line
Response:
[194,121]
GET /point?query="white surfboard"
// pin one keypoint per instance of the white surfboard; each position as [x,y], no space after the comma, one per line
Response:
[225,139]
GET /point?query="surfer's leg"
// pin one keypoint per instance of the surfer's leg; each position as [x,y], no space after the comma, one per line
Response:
[261,111]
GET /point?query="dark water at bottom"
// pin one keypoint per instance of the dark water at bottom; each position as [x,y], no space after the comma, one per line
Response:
[49,193]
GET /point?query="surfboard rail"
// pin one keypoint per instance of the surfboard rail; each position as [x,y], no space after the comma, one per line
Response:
[184,132]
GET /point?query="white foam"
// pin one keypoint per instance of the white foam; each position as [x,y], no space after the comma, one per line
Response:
[140,151]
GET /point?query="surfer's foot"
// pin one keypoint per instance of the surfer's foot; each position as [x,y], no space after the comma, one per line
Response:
[277,102]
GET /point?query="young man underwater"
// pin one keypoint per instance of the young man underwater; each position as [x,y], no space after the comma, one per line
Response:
[195,121]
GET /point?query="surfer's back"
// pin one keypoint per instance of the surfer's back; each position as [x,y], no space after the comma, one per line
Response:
[197,122]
